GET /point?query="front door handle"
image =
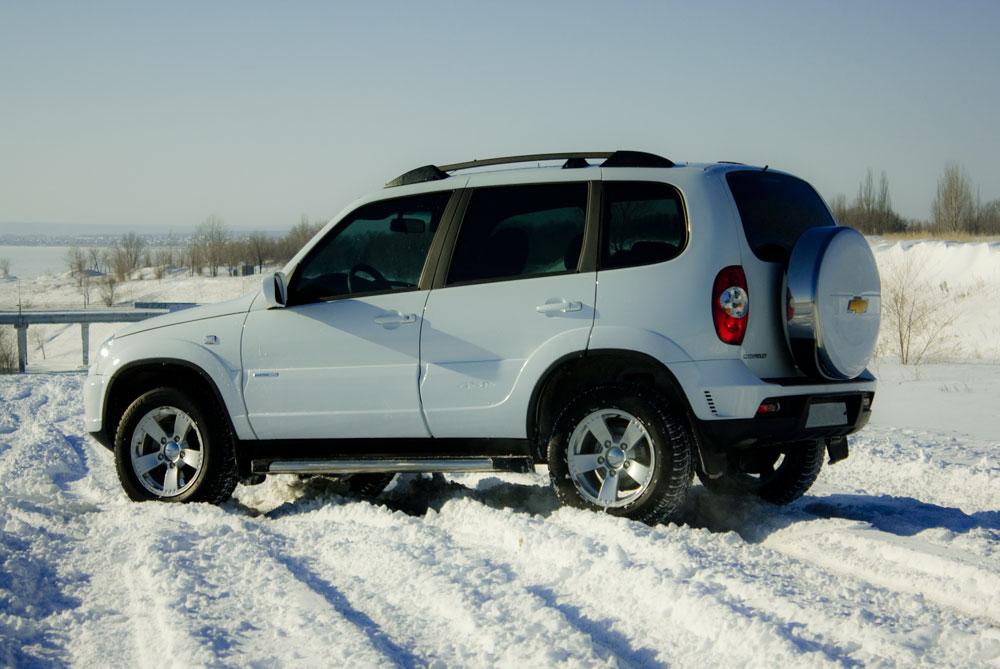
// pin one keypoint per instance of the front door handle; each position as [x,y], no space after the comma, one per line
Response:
[394,318]
[558,305]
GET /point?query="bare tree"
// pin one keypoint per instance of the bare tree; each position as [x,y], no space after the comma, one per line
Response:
[954,208]
[131,247]
[38,333]
[109,284]
[211,239]
[77,263]
[988,218]
[259,248]
[94,259]
[8,352]
[297,237]
[4,267]
[871,211]
[918,316]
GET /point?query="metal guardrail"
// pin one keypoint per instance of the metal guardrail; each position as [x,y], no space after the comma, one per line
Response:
[22,319]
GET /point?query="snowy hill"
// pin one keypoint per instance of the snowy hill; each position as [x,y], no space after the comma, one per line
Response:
[893,559]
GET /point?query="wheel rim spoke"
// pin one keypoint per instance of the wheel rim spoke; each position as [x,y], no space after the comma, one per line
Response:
[638,472]
[581,463]
[597,427]
[181,426]
[191,458]
[146,463]
[634,433]
[170,481]
[609,490]
[149,426]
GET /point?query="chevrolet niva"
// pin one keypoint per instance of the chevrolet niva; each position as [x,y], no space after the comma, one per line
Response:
[628,323]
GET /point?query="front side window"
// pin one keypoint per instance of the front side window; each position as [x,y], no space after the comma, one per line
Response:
[643,224]
[520,231]
[380,247]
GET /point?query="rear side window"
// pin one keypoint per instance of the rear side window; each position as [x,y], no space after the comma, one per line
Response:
[776,209]
[643,224]
[519,231]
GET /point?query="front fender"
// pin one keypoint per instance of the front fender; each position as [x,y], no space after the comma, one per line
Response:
[188,344]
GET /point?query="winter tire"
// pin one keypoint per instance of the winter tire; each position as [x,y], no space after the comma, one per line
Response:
[172,446]
[779,475]
[624,451]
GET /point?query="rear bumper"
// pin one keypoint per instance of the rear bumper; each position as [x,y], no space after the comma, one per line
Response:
[724,396]
[790,423]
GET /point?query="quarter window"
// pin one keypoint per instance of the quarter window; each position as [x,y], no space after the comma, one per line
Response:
[520,231]
[380,247]
[643,224]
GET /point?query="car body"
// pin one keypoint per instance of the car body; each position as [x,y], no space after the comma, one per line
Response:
[501,295]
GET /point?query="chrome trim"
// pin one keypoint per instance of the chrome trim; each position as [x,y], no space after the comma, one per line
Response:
[816,352]
[360,466]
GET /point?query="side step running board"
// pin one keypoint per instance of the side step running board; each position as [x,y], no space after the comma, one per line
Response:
[373,465]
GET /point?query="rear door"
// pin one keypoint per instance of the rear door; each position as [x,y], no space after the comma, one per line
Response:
[514,297]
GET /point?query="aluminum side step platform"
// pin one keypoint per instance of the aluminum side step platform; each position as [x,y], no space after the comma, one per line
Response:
[516,463]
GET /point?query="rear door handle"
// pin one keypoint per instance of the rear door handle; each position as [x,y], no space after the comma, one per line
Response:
[394,318]
[560,305]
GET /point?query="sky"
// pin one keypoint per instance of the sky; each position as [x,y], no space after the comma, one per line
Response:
[161,114]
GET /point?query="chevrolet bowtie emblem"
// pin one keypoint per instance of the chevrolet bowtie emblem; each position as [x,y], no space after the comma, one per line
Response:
[857,305]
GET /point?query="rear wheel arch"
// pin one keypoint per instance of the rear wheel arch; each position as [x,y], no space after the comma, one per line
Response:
[571,374]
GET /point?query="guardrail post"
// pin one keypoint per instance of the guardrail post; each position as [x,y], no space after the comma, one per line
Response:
[22,346]
[85,336]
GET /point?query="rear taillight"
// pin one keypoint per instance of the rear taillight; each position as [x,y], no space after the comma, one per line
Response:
[731,305]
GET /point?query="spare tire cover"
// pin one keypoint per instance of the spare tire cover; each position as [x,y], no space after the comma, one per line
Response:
[833,298]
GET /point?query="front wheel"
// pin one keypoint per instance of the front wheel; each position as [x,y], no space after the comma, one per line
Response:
[624,451]
[175,447]
[777,474]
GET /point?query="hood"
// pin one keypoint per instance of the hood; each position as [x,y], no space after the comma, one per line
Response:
[238,306]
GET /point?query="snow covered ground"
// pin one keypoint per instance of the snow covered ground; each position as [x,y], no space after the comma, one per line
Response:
[893,559]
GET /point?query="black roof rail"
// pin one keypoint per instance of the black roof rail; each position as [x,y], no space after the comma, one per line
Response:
[574,159]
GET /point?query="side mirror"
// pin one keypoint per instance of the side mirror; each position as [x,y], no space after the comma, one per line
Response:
[275,291]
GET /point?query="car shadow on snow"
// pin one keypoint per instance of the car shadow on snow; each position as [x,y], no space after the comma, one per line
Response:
[754,520]
[751,519]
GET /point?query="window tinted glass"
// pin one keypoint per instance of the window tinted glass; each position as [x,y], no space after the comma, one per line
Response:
[515,231]
[380,247]
[776,209]
[643,224]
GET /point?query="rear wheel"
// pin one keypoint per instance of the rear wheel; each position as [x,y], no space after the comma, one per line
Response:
[174,446]
[778,474]
[624,451]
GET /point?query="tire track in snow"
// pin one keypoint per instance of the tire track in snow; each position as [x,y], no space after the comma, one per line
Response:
[205,583]
[713,578]
[447,605]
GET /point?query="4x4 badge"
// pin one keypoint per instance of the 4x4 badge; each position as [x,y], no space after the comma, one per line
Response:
[857,305]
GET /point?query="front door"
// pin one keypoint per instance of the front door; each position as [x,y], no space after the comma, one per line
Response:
[341,360]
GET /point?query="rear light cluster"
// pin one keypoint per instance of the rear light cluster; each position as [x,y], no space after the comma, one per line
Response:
[731,305]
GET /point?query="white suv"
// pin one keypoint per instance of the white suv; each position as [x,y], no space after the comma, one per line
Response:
[626,323]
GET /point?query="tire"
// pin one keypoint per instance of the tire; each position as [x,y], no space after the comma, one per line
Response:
[661,445]
[779,475]
[152,442]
